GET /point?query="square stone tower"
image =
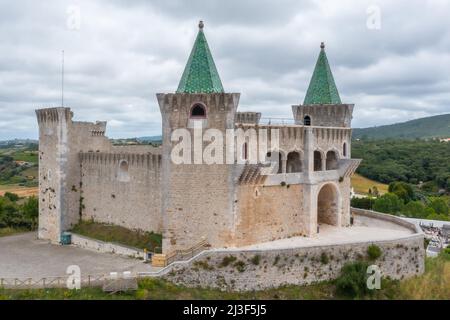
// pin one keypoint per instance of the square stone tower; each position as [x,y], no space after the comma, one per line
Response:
[198,199]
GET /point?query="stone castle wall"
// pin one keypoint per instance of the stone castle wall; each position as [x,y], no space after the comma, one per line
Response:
[60,141]
[247,270]
[122,189]
[266,213]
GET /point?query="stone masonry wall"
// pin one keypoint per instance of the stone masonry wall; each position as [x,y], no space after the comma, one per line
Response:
[106,247]
[131,199]
[60,141]
[267,213]
[256,270]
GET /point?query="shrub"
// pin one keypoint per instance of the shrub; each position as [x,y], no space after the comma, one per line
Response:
[388,203]
[277,259]
[373,252]
[11,196]
[446,253]
[256,259]
[352,282]
[240,266]
[203,265]
[324,258]
[362,203]
[227,261]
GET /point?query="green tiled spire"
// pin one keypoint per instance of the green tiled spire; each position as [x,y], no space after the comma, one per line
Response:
[200,74]
[322,89]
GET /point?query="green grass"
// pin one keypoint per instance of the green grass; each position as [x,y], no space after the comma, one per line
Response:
[28,156]
[11,231]
[433,284]
[118,234]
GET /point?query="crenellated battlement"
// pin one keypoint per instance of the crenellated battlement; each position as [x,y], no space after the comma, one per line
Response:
[149,161]
[248,117]
[179,101]
[53,114]
[327,115]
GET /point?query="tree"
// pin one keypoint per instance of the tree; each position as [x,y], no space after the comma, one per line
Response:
[440,206]
[362,203]
[375,192]
[11,196]
[416,209]
[402,190]
[352,282]
[388,203]
[30,208]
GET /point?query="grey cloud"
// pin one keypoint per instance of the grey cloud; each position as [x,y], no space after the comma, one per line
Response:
[125,52]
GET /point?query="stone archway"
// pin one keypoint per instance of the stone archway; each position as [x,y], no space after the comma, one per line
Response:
[328,205]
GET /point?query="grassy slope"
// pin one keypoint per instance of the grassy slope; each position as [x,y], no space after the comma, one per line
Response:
[436,126]
[26,176]
[11,231]
[112,233]
[361,184]
[433,284]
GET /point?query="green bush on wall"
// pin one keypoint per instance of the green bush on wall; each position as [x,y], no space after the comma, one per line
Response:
[373,252]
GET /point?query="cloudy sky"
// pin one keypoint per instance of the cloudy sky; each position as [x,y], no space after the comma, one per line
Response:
[390,58]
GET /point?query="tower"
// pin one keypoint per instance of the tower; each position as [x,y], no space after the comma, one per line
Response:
[327,123]
[322,105]
[60,141]
[53,156]
[198,199]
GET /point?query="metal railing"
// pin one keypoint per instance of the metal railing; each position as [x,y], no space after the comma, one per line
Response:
[50,282]
[272,120]
[180,255]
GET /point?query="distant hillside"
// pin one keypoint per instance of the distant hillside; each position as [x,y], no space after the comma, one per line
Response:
[430,127]
[150,139]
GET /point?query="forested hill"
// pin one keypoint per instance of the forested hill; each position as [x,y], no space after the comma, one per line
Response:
[430,127]
[404,160]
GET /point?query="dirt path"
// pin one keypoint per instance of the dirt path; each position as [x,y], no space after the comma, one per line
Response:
[20,191]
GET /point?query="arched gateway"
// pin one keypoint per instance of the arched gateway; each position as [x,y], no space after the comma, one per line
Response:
[328,205]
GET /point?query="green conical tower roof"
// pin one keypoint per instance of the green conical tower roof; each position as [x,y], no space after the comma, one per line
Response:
[322,89]
[200,74]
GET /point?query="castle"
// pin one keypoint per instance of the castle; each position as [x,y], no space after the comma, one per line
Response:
[83,176]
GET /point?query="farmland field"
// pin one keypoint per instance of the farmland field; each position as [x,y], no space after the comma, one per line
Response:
[361,185]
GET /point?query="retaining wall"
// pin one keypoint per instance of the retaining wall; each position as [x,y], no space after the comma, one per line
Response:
[106,247]
[242,270]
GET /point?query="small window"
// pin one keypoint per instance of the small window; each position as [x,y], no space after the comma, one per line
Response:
[123,171]
[198,111]
[344,149]
[245,151]
[307,120]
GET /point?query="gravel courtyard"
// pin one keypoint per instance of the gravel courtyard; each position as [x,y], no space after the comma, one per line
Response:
[24,256]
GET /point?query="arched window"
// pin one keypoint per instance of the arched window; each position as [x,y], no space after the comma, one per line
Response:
[198,111]
[344,149]
[294,163]
[332,160]
[307,121]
